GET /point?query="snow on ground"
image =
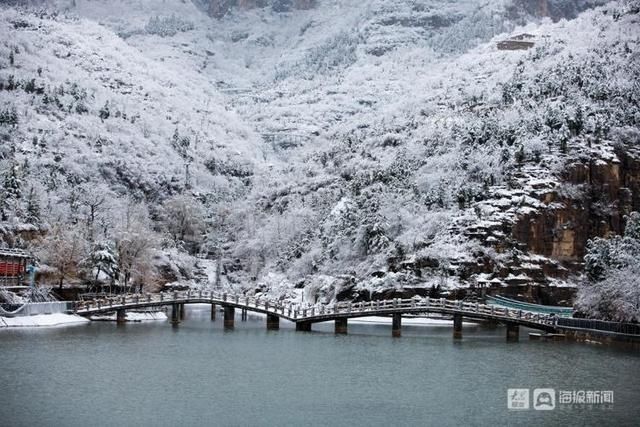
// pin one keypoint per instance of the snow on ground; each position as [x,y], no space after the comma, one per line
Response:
[407,109]
[61,319]
[133,316]
[406,321]
[41,320]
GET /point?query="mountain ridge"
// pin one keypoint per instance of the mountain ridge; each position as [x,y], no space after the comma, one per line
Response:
[371,155]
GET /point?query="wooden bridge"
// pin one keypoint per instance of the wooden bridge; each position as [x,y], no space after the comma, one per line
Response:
[305,315]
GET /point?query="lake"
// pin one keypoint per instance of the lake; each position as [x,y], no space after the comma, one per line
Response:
[198,374]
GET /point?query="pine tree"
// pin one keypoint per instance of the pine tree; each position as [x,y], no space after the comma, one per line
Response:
[102,259]
[11,84]
[33,207]
[182,145]
[597,259]
[9,117]
[30,86]
[4,207]
[12,183]
[104,112]
[632,229]
[519,155]
[13,117]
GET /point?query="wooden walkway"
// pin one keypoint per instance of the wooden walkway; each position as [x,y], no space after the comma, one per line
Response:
[305,315]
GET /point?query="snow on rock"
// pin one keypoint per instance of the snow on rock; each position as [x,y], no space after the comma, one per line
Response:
[355,146]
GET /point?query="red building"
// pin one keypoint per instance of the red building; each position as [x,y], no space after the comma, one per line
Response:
[13,266]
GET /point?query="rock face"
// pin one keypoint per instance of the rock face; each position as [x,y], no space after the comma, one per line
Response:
[554,9]
[537,228]
[220,8]
[609,190]
[543,8]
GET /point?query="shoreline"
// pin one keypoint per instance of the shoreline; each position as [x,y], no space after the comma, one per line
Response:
[42,321]
[133,316]
[62,319]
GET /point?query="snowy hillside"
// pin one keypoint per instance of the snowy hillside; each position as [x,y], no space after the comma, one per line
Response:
[92,100]
[346,147]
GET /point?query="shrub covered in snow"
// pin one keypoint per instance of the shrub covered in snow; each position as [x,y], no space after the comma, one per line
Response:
[612,291]
[397,124]
[167,26]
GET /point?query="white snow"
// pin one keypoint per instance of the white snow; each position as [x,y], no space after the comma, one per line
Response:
[412,321]
[135,316]
[41,320]
[346,119]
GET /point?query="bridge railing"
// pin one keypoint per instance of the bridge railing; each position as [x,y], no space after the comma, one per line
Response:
[122,301]
[600,325]
[307,311]
[536,308]
[406,304]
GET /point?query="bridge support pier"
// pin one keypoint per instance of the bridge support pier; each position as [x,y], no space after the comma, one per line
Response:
[273,322]
[229,316]
[181,311]
[396,325]
[121,316]
[513,332]
[175,314]
[213,312]
[341,326]
[244,315]
[457,326]
[303,326]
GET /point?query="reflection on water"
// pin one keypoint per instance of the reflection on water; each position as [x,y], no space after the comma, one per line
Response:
[199,374]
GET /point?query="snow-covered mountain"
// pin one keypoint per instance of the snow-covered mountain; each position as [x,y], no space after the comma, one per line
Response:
[338,145]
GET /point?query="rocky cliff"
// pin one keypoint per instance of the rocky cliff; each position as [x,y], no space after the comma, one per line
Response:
[372,147]
[607,191]
[535,233]
[220,8]
[538,234]
[554,9]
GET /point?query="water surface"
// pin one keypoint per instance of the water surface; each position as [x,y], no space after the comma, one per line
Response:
[199,374]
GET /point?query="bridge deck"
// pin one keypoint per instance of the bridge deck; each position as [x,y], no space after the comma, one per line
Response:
[308,314]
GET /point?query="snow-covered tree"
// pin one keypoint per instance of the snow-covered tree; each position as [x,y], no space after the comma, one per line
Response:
[363,83]
[134,241]
[612,289]
[12,182]
[167,26]
[63,249]
[184,220]
[101,265]
[33,211]
[11,191]
[632,227]
[94,203]
[184,148]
